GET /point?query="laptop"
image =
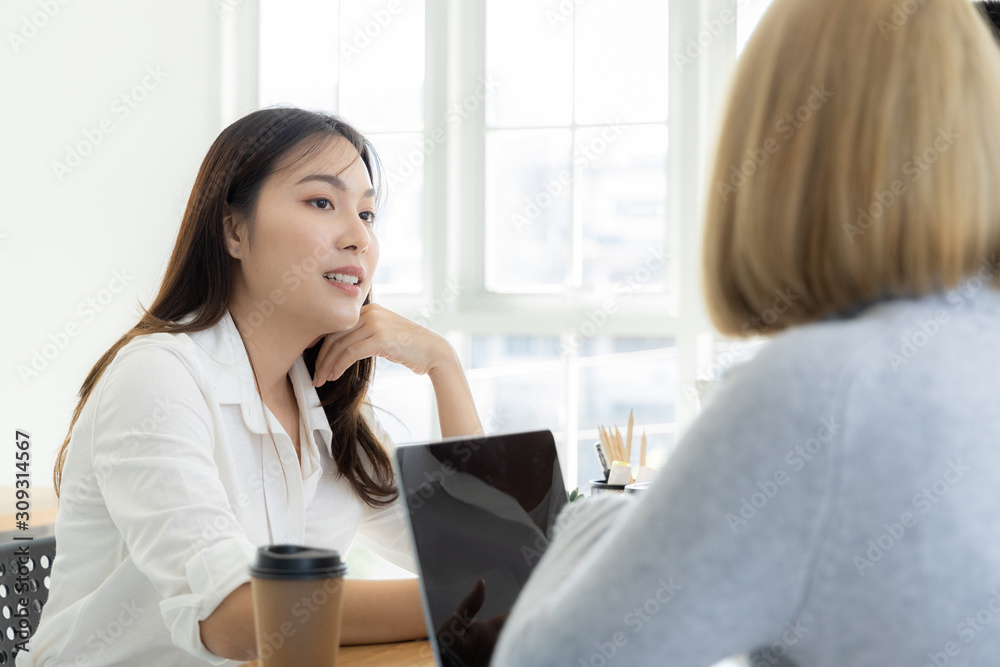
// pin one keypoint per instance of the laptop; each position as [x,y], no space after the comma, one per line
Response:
[481,512]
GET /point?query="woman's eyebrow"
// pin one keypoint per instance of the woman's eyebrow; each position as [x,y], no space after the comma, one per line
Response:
[335,182]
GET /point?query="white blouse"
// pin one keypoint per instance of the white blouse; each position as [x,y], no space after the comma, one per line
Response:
[171,483]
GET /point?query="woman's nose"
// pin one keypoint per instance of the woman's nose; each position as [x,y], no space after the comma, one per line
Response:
[355,235]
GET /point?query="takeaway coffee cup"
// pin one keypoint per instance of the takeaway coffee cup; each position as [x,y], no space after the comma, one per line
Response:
[297,599]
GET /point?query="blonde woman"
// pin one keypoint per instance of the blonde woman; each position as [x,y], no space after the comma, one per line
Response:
[835,503]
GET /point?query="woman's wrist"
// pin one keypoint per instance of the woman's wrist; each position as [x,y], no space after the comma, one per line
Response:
[445,362]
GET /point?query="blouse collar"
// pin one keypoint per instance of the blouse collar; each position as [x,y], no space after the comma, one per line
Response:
[234,381]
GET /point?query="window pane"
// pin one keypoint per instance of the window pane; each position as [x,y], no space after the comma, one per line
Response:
[622,59]
[528,208]
[523,400]
[612,382]
[623,195]
[490,351]
[517,382]
[530,57]
[400,221]
[297,58]
[382,64]
[601,347]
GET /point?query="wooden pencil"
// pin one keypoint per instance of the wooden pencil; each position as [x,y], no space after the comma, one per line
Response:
[605,443]
[609,447]
[628,440]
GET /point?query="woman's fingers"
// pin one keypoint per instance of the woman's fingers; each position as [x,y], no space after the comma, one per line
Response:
[341,350]
[381,333]
[361,345]
[327,351]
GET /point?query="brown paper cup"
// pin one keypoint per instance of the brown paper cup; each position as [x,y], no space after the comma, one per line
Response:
[297,599]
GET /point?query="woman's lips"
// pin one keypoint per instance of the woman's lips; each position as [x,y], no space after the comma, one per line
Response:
[346,288]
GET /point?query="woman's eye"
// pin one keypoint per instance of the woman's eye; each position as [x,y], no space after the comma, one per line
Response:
[322,203]
[368,216]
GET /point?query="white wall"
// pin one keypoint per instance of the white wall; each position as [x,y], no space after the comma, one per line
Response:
[62,241]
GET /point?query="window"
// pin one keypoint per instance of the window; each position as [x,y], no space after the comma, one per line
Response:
[552,115]
[534,214]
[576,145]
[574,207]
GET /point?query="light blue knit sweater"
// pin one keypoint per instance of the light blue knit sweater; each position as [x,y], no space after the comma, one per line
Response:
[837,501]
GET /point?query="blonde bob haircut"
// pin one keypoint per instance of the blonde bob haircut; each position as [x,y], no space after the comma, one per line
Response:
[859,160]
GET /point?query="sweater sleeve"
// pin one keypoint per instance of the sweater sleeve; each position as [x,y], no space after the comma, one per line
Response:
[713,560]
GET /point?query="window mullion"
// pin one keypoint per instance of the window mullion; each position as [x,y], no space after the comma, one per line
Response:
[696,91]
[570,454]
[466,131]
[576,218]
[576,203]
[436,269]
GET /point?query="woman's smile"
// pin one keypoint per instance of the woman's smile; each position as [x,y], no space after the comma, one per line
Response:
[347,279]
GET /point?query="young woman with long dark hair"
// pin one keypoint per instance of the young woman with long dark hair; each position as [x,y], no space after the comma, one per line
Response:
[234,413]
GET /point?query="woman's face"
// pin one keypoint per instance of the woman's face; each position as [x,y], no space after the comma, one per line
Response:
[314,249]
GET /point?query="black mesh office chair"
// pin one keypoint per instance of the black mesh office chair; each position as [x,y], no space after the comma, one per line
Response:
[25,566]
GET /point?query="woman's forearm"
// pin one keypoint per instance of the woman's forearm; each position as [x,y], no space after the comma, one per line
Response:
[375,611]
[456,409]
[228,632]
[379,611]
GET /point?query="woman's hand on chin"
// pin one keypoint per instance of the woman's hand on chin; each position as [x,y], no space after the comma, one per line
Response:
[382,333]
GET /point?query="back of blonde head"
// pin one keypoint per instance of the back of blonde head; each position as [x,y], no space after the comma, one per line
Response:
[859,159]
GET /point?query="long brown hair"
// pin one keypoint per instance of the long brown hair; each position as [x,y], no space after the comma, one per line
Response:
[200,277]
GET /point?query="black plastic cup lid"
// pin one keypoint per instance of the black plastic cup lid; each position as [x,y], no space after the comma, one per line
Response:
[293,561]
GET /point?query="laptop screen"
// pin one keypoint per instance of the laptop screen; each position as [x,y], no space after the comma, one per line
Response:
[481,513]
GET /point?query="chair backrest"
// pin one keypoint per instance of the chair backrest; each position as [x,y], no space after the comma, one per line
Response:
[25,566]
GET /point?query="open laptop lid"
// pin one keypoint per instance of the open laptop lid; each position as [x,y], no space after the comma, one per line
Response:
[479,508]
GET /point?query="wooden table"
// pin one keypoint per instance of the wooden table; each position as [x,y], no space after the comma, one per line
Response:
[403,654]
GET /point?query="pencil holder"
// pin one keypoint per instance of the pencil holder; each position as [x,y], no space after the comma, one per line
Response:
[599,486]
